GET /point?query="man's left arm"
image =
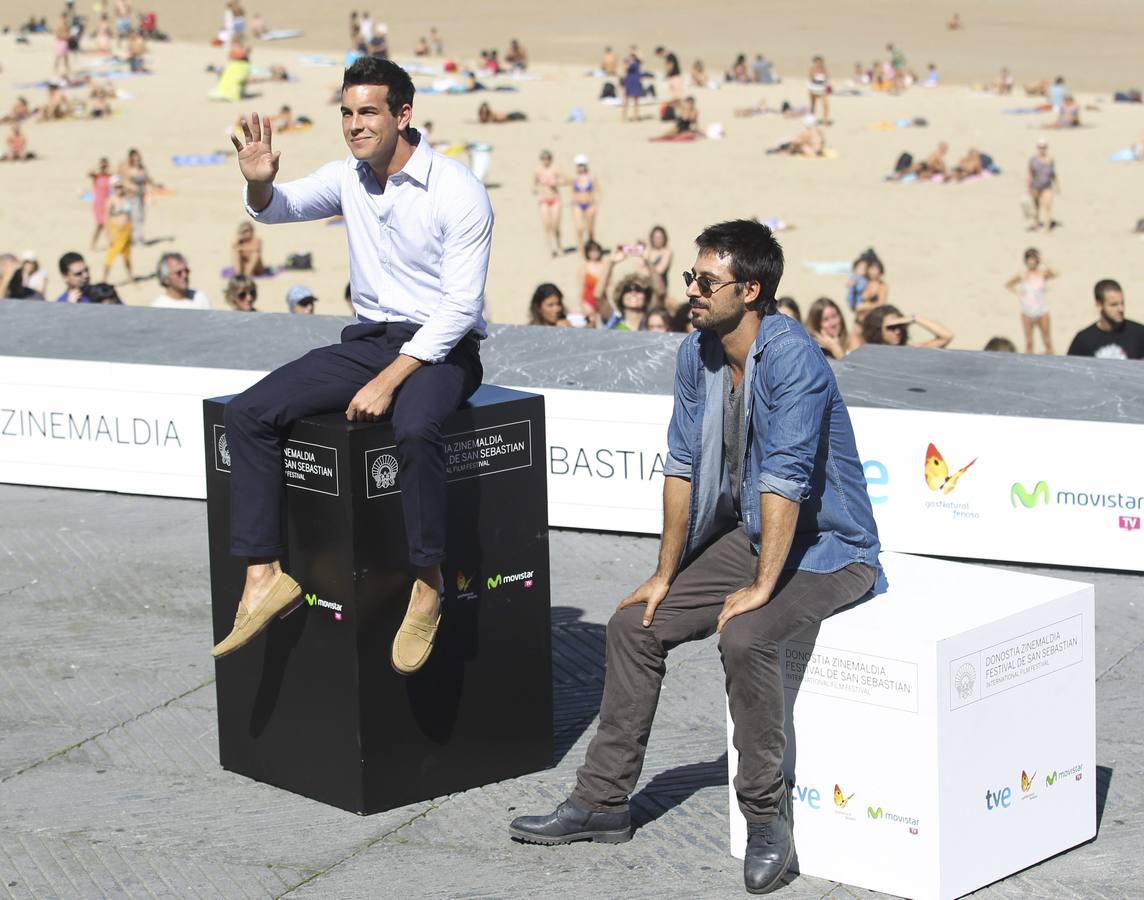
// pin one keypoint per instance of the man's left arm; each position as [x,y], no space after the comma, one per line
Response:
[468,236]
[799,387]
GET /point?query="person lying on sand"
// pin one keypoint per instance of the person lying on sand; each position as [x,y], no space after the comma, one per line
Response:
[1069,114]
[486,116]
[970,164]
[56,106]
[808,142]
[686,124]
[20,112]
[934,164]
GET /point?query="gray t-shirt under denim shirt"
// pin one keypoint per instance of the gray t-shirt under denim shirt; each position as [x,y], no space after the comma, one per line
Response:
[733,435]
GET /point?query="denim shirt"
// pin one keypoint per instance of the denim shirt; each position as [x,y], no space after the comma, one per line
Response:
[799,444]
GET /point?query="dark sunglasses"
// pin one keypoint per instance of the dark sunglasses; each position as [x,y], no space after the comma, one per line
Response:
[707,287]
[243,295]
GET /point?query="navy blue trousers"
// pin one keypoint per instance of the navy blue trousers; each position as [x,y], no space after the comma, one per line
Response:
[258,422]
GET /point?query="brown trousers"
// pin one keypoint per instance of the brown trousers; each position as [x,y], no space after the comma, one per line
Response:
[636,663]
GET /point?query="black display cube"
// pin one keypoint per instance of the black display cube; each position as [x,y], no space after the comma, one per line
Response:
[313,705]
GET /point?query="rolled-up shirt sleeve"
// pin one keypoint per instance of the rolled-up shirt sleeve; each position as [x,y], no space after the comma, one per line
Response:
[314,196]
[798,387]
[684,427]
[467,236]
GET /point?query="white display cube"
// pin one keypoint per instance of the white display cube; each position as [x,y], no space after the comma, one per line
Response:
[941,735]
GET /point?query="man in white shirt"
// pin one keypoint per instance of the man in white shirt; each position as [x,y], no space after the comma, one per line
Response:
[174,275]
[419,227]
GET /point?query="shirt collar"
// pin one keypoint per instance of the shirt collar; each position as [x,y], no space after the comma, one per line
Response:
[416,168]
[771,327]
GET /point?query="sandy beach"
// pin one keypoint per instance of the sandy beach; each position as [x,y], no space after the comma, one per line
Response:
[948,248]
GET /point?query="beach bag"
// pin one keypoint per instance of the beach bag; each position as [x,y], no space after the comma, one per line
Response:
[300,261]
[608,92]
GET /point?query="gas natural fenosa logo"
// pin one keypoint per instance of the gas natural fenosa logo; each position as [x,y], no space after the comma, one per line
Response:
[937,472]
[463,582]
[840,799]
[335,608]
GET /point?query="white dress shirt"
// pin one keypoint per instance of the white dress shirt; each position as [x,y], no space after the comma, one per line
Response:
[419,250]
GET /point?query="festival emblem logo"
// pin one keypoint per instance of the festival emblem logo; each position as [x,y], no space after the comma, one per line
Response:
[937,472]
[964,680]
[224,450]
[384,472]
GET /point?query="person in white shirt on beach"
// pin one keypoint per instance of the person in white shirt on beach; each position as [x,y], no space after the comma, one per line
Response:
[419,227]
[174,274]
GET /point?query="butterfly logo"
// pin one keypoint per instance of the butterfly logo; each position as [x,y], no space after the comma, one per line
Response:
[1027,781]
[463,582]
[840,799]
[937,472]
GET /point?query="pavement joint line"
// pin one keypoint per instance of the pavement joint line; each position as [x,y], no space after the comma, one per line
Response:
[433,807]
[68,749]
[1119,660]
[9,591]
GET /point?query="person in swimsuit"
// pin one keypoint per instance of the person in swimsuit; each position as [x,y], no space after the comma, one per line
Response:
[62,32]
[686,124]
[247,252]
[546,181]
[674,77]
[1042,184]
[808,142]
[632,85]
[659,257]
[136,180]
[818,83]
[876,293]
[585,199]
[592,273]
[100,193]
[1029,285]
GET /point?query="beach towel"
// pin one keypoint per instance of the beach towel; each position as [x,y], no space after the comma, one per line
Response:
[268,272]
[281,34]
[1125,155]
[232,81]
[1027,110]
[312,59]
[829,267]
[828,153]
[199,159]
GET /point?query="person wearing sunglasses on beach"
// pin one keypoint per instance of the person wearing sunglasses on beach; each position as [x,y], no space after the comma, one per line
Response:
[241,292]
[767,529]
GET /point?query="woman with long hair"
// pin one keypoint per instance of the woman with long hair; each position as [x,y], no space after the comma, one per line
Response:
[827,326]
[547,306]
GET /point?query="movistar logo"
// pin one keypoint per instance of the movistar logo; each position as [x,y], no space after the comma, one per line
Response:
[497,580]
[874,813]
[1029,499]
[315,600]
[1049,779]
[311,599]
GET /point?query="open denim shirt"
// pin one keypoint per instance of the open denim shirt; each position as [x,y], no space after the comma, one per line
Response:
[799,444]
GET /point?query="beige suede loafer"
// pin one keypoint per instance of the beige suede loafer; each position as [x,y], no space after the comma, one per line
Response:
[283,598]
[414,641]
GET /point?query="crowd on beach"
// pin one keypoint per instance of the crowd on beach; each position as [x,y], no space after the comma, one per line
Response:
[627,284]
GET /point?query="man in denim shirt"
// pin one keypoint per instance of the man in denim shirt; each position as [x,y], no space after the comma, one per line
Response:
[767,530]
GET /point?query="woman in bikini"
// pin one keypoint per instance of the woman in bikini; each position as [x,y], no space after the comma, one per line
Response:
[62,33]
[585,201]
[818,83]
[876,293]
[546,181]
[136,180]
[247,252]
[100,193]
[1029,285]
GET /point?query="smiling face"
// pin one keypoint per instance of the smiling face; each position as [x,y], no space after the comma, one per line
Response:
[831,322]
[552,309]
[370,129]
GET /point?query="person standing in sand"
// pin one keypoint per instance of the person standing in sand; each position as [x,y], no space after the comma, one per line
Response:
[136,180]
[633,85]
[546,181]
[1029,285]
[585,201]
[1043,185]
[118,230]
[60,48]
[419,227]
[100,193]
[818,83]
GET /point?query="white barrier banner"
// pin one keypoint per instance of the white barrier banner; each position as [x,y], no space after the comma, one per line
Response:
[108,426]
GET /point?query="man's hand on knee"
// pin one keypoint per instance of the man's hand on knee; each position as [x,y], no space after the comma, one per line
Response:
[650,592]
[372,402]
[741,601]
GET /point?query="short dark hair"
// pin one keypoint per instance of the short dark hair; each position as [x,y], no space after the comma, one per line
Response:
[1101,288]
[371,70]
[104,293]
[790,305]
[67,259]
[754,254]
[1000,345]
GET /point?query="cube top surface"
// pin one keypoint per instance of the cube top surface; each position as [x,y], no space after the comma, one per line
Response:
[934,599]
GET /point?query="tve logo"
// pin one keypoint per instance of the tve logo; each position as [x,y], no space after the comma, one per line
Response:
[810,796]
[1001,799]
[1130,523]
[876,476]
